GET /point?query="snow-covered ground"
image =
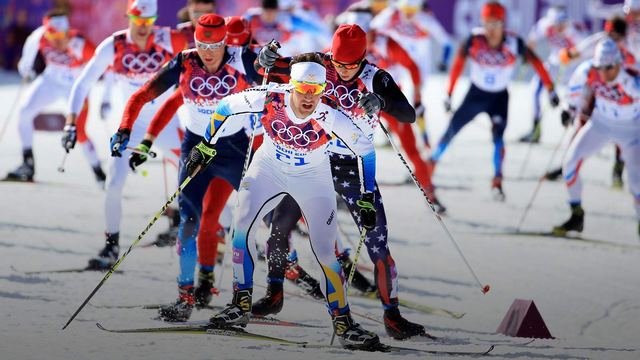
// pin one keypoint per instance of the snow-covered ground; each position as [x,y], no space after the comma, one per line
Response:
[588,294]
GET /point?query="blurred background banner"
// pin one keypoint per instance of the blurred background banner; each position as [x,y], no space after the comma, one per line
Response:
[99,18]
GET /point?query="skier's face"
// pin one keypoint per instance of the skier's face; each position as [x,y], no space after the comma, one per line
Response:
[609,73]
[494,30]
[304,103]
[269,15]
[59,40]
[141,26]
[198,9]
[211,55]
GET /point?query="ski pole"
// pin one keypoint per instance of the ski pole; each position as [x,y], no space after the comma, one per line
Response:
[64,159]
[151,154]
[483,288]
[142,234]
[363,236]
[526,160]
[273,45]
[13,108]
[541,180]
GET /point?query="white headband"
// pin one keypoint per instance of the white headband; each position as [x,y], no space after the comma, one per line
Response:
[58,23]
[309,72]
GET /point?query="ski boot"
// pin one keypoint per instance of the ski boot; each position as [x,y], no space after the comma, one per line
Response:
[24,172]
[534,136]
[179,311]
[236,313]
[575,222]
[351,335]
[169,237]
[616,177]
[359,281]
[101,178]
[553,175]
[206,289]
[496,189]
[400,328]
[272,302]
[301,278]
[108,255]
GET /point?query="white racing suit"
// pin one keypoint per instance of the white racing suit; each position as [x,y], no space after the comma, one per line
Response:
[615,117]
[131,68]
[292,160]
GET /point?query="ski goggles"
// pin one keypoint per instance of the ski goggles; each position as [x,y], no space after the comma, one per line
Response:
[605,67]
[409,10]
[304,87]
[211,46]
[140,21]
[339,65]
[55,35]
[493,24]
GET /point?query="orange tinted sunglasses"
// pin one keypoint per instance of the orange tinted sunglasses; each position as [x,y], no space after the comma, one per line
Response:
[305,87]
[140,21]
[339,65]
[55,35]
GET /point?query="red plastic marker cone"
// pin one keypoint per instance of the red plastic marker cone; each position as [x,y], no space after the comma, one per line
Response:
[524,320]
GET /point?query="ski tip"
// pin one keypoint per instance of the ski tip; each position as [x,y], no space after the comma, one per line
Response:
[101,327]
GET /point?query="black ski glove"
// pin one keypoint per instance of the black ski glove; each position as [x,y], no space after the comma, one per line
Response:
[367,211]
[371,103]
[200,156]
[138,158]
[69,137]
[566,117]
[119,141]
[267,56]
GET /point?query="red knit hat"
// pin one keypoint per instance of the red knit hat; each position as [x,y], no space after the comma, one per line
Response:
[238,31]
[349,44]
[493,10]
[210,28]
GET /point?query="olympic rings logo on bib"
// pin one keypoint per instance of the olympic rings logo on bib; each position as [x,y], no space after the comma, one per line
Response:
[143,62]
[57,57]
[213,85]
[345,97]
[294,133]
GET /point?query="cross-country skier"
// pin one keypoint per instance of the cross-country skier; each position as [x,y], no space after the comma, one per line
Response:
[615,29]
[414,29]
[65,52]
[298,124]
[493,53]
[610,111]
[414,26]
[134,55]
[362,90]
[204,76]
[558,33]
[388,54]
[194,9]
